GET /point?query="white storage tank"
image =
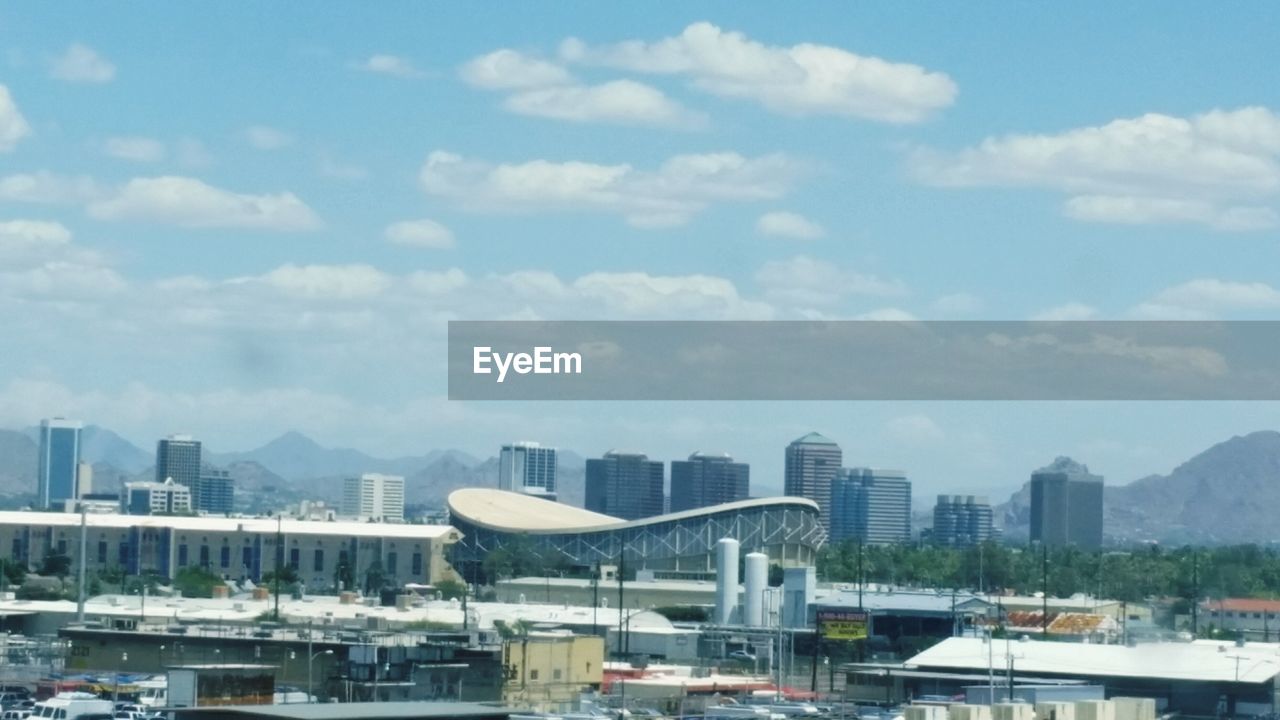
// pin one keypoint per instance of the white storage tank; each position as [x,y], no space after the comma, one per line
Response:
[924,712]
[1055,711]
[726,581]
[1095,710]
[1012,711]
[961,711]
[1135,708]
[756,567]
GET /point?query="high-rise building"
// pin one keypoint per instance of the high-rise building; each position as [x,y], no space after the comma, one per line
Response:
[156,498]
[962,521]
[528,467]
[214,492]
[1066,505]
[59,461]
[872,506]
[811,465]
[178,457]
[704,480]
[374,496]
[626,485]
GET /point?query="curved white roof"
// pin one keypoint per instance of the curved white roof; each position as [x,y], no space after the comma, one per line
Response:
[506,511]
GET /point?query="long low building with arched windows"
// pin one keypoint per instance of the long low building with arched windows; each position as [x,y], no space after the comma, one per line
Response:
[787,529]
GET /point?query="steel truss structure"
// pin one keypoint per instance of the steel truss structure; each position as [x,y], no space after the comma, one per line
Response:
[788,531]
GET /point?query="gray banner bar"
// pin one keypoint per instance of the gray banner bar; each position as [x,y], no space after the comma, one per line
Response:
[864,360]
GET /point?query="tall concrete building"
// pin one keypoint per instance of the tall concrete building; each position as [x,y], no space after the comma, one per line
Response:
[178,457]
[214,492]
[626,485]
[374,496]
[811,465]
[872,506]
[1066,505]
[156,498]
[528,467]
[962,521]
[59,462]
[705,480]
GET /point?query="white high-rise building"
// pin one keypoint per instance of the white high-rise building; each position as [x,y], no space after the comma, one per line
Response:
[374,496]
[528,467]
[156,498]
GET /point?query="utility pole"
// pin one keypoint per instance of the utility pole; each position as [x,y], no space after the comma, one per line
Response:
[1044,590]
[595,600]
[279,561]
[84,557]
[1195,594]
[622,558]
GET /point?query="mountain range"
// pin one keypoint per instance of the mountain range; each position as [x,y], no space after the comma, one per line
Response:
[1224,494]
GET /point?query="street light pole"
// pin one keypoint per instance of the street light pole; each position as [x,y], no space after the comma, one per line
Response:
[310,684]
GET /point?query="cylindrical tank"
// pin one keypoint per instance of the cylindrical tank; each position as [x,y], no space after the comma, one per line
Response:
[726,580]
[756,569]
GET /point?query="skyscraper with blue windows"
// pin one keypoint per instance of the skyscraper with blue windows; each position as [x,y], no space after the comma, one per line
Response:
[59,461]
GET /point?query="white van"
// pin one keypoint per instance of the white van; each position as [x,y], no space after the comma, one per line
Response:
[72,705]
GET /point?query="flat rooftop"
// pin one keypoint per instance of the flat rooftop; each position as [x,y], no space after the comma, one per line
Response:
[1213,661]
[256,525]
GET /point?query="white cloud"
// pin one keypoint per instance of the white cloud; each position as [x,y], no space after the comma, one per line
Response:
[1220,169]
[623,102]
[1211,294]
[342,282]
[438,283]
[804,280]
[804,79]
[889,314]
[507,69]
[13,127]
[915,430]
[188,202]
[331,168]
[1067,311]
[393,65]
[30,238]
[957,304]
[420,233]
[637,293]
[790,225]
[263,137]
[134,149]
[82,64]
[46,188]
[670,195]
[1151,211]
[38,260]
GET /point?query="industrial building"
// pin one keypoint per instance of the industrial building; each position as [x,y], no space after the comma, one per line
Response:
[786,530]
[1201,678]
[235,548]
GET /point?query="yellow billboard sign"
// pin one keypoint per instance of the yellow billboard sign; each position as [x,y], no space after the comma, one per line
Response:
[843,624]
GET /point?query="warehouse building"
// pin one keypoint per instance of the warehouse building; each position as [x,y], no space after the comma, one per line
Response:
[321,553]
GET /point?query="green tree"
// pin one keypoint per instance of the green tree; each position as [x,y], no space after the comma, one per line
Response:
[56,565]
[196,582]
[450,589]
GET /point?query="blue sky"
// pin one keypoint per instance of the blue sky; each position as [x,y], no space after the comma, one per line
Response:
[256,218]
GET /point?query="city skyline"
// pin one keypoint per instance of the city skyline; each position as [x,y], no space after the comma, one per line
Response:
[303,227]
